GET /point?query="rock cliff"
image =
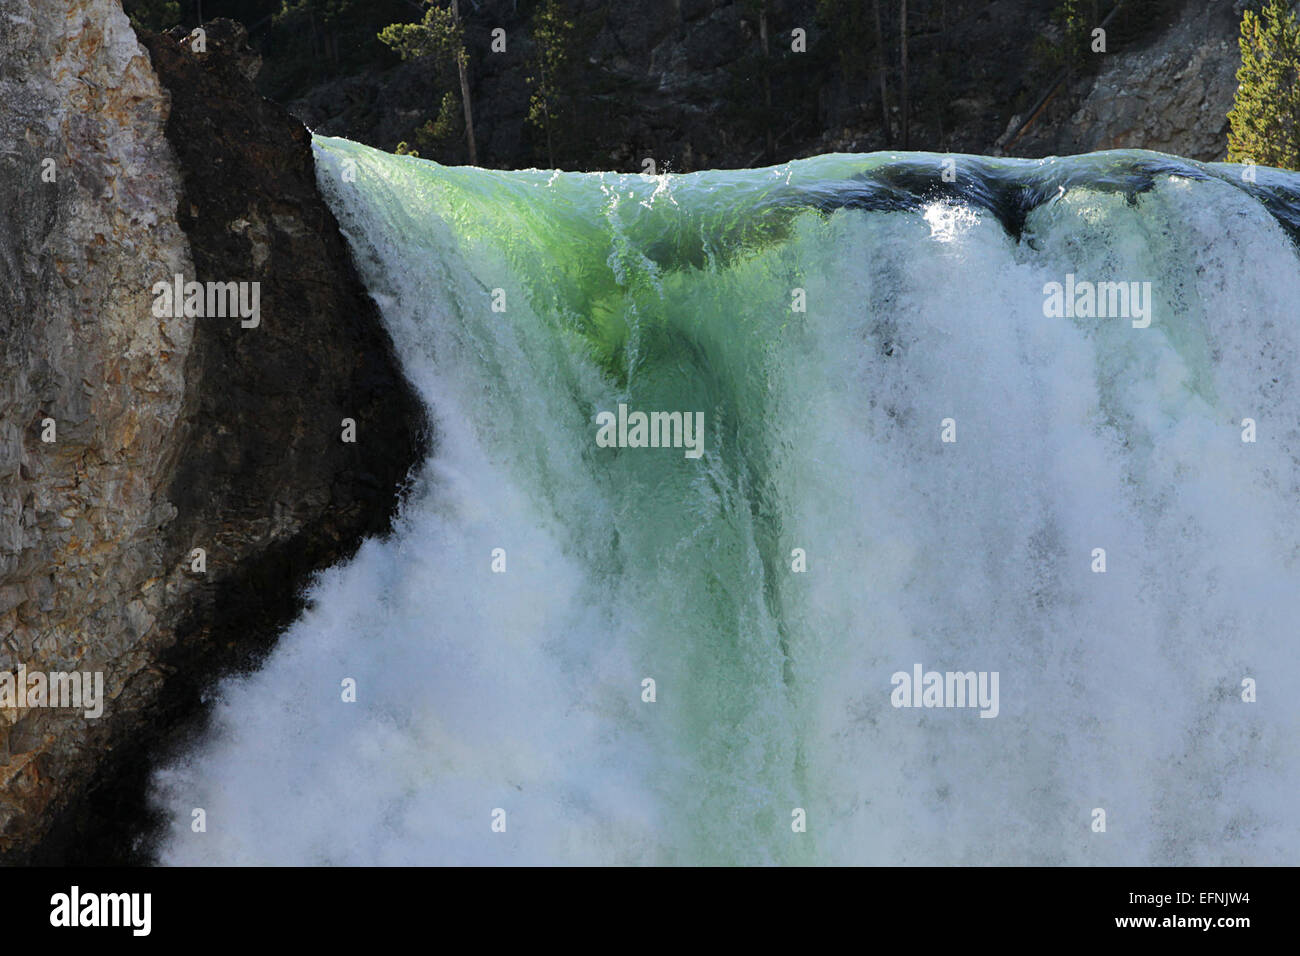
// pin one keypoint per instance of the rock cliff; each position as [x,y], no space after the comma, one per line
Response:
[123,167]
[1172,95]
[683,83]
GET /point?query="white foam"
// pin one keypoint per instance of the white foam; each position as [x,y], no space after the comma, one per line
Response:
[522,690]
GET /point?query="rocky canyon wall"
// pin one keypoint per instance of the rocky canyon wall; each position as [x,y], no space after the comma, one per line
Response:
[127,440]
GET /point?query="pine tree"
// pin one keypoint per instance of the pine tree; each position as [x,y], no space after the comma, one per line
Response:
[1265,117]
[551,39]
[441,34]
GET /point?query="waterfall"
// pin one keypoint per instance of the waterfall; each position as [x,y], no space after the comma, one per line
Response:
[1035,422]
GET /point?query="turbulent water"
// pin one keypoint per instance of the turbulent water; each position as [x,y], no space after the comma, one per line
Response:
[827,317]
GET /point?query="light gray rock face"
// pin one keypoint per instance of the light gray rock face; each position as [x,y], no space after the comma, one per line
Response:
[82,576]
[121,168]
[1172,95]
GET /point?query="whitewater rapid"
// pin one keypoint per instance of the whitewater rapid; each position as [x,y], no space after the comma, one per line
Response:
[524,304]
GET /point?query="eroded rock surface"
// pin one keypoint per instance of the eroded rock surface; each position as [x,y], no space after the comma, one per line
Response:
[1172,94]
[83,570]
[172,433]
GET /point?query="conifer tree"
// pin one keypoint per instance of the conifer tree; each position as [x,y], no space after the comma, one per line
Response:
[442,35]
[551,39]
[1265,116]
